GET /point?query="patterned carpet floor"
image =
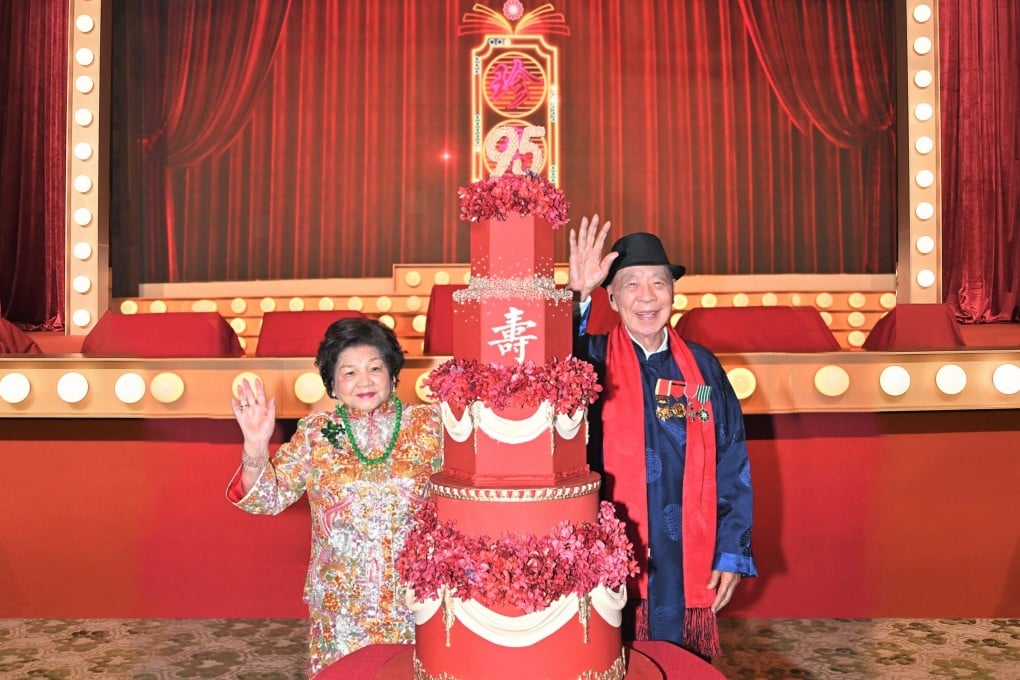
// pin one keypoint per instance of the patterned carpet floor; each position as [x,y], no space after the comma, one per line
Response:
[275,649]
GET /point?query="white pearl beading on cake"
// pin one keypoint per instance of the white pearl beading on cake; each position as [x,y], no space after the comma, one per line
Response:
[527,629]
[508,431]
[536,287]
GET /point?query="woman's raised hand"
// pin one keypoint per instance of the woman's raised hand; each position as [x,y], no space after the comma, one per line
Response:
[588,268]
[256,415]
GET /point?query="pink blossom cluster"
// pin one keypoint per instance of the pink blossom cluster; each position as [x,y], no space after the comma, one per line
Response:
[568,384]
[529,194]
[516,570]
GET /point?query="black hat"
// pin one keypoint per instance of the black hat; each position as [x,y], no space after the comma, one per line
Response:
[641,248]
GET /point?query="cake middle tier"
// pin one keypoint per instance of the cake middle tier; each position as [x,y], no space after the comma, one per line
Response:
[512,320]
[517,446]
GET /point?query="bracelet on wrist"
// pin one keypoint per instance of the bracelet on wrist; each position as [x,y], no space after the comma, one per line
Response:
[253,463]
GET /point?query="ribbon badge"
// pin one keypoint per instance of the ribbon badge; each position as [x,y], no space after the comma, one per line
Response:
[672,400]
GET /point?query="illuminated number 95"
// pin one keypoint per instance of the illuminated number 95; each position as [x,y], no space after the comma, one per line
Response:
[506,144]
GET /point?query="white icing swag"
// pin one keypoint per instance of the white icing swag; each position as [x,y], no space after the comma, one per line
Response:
[507,431]
[524,630]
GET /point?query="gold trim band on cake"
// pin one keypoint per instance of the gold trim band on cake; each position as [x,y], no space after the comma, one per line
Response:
[615,672]
[497,495]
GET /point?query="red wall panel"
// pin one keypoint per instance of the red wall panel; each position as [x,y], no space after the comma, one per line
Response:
[857,515]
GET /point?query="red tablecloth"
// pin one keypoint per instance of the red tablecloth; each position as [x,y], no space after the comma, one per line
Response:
[757,329]
[174,334]
[439,327]
[296,334]
[13,340]
[916,327]
[673,661]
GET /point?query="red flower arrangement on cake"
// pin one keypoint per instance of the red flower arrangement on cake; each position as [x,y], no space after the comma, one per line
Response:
[529,194]
[568,384]
[521,570]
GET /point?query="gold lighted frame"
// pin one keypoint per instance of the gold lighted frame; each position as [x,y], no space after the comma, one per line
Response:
[87,215]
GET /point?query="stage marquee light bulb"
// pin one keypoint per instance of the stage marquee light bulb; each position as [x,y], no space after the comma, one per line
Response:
[84,56]
[1006,379]
[130,388]
[14,388]
[308,387]
[83,117]
[84,23]
[83,151]
[82,250]
[743,381]
[81,318]
[832,381]
[951,379]
[81,284]
[72,387]
[894,381]
[167,387]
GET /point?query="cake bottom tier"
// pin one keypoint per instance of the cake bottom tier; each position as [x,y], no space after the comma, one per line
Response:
[572,638]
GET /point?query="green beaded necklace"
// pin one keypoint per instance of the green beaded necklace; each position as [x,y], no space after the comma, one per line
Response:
[342,410]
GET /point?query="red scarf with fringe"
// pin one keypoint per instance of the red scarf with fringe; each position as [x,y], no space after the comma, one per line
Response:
[623,417]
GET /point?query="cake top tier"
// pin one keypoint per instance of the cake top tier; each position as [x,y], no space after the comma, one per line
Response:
[512,218]
[512,311]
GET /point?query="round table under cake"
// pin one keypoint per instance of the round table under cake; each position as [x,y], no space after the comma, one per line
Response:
[648,659]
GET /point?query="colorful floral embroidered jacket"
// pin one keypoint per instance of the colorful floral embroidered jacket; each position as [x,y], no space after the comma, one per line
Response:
[360,517]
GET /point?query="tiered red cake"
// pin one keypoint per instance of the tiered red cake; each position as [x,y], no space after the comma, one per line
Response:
[515,569]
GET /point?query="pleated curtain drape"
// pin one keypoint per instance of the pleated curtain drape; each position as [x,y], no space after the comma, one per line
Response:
[352,147]
[979,58]
[33,123]
[320,138]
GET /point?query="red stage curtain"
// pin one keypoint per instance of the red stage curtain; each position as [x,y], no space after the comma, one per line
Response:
[979,57]
[333,173]
[214,60]
[351,153]
[845,90]
[33,68]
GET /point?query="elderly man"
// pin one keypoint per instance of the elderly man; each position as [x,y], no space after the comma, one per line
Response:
[668,436]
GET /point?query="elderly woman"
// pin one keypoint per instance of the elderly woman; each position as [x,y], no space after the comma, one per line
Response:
[364,467]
